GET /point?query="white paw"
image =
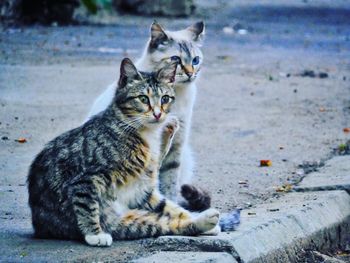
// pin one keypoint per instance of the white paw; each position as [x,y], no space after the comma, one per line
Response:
[100,240]
[213,232]
[207,220]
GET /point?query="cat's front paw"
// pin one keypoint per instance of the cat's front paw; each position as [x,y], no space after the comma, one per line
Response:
[172,125]
[207,220]
[99,240]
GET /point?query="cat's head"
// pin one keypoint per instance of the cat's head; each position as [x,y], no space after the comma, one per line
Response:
[182,46]
[144,98]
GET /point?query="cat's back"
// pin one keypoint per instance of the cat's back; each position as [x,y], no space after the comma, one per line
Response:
[99,145]
[55,160]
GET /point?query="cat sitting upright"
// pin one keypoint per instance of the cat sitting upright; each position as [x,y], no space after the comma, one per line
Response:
[182,46]
[99,182]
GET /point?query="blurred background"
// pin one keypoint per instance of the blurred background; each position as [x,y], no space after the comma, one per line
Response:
[78,11]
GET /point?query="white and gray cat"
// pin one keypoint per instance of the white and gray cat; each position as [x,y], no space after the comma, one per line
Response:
[176,172]
[165,46]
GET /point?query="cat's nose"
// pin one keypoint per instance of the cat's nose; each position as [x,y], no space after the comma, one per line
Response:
[157,115]
[188,70]
[189,74]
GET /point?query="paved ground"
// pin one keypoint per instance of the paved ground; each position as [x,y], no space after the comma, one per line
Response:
[252,102]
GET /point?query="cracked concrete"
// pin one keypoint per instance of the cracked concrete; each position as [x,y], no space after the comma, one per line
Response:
[335,175]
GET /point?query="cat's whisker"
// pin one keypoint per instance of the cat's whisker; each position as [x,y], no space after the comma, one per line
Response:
[130,124]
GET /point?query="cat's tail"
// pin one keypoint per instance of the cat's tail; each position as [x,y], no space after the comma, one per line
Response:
[198,200]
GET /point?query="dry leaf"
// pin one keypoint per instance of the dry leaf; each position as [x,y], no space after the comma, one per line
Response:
[265,163]
[284,188]
[21,140]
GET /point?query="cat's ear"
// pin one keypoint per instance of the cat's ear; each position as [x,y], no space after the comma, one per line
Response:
[128,72]
[167,73]
[197,31]
[158,36]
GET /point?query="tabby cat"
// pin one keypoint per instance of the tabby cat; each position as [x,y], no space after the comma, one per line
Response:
[99,182]
[184,47]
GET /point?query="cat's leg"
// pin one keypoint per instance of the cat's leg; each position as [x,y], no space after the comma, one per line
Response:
[201,222]
[86,207]
[187,166]
[167,137]
[177,169]
[137,224]
[207,219]
[192,198]
[170,168]
[170,174]
[156,216]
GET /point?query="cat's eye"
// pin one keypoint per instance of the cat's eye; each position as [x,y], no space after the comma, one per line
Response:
[175,58]
[165,99]
[195,60]
[144,99]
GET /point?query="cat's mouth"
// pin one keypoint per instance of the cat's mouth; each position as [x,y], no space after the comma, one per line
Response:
[156,121]
[184,78]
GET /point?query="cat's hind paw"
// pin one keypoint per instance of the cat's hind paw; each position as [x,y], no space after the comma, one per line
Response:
[213,232]
[99,240]
[207,220]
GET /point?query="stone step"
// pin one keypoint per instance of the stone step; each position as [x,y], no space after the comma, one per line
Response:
[187,257]
[277,231]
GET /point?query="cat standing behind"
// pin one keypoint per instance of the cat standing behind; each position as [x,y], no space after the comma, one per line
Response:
[165,46]
[99,182]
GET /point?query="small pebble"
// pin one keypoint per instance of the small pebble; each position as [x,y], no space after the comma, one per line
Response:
[273,210]
[323,75]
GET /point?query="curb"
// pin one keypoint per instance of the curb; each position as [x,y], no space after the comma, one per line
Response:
[303,220]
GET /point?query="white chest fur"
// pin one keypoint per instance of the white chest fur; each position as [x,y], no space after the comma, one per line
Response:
[130,195]
[153,138]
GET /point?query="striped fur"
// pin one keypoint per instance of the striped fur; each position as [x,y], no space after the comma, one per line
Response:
[99,182]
